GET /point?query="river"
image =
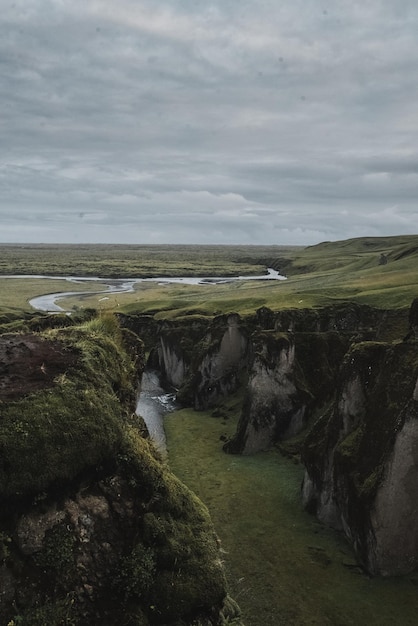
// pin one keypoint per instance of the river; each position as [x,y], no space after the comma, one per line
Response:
[153,404]
[48,302]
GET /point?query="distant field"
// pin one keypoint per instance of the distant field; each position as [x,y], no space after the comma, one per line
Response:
[350,270]
[121,261]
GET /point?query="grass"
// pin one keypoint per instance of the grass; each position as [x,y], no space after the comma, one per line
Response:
[283,567]
[130,260]
[51,435]
[15,293]
[317,275]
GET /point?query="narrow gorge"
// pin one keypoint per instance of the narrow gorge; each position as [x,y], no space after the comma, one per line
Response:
[335,387]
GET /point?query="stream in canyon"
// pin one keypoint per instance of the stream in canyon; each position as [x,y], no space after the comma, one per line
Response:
[153,404]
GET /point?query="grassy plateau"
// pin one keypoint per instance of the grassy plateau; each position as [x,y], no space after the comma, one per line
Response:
[316,275]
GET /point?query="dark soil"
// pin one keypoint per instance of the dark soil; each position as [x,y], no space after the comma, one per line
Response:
[29,363]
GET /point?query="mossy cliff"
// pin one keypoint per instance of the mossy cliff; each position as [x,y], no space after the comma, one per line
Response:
[291,378]
[94,529]
[361,459]
[345,378]
[202,358]
[285,362]
[218,364]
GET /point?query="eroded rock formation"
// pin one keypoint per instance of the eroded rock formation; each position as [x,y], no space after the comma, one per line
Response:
[286,361]
[223,357]
[345,373]
[362,457]
[291,378]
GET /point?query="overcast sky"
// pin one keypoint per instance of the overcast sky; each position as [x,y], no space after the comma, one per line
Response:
[223,121]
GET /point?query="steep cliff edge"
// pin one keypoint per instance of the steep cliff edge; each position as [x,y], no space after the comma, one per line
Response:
[93,527]
[344,372]
[291,377]
[285,362]
[202,358]
[361,457]
[218,363]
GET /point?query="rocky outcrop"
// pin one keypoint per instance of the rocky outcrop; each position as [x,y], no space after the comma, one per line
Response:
[345,372]
[204,360]
[207,359]
[274,407]
[225,351]
[172,345]
[171,361]
[349,318]
[290,379]
[361,457]
[94,529]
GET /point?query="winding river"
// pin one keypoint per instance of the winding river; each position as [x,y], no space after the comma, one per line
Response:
[48,302]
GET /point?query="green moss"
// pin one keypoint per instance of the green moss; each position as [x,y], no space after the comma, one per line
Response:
[54,434]
[58,612]
[178,530]
[136,573]
[367,487]
[80,430]
[5,542]
[349,446]
[58,555]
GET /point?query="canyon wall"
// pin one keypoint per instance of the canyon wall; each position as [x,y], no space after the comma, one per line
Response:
[343,376]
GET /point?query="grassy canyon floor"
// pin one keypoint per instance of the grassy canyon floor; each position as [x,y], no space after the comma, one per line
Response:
[284,568]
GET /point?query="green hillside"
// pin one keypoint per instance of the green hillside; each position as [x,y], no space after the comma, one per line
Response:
[379,271]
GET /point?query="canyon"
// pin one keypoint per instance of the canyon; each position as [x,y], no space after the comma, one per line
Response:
[335,387]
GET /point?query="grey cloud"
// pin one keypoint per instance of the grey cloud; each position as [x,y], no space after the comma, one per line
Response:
[228,121]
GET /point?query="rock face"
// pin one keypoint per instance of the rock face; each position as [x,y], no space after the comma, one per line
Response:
[172,362]
[203,359]
[344,371]
[361,457]
[225,350]
[286,360]
[290,379]
[94,529]
[274,407]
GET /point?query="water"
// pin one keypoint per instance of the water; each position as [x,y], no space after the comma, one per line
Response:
[153,404]
[48,302]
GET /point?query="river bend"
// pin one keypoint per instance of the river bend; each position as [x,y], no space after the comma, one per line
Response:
[48,302]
